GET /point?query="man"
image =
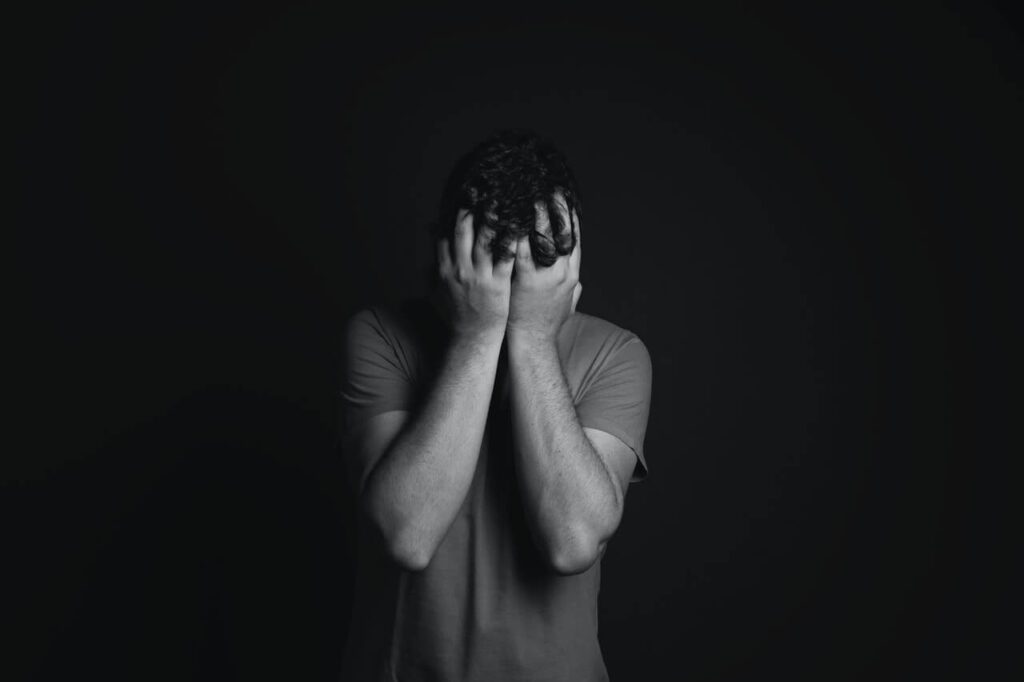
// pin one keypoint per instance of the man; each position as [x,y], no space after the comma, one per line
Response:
[491,432]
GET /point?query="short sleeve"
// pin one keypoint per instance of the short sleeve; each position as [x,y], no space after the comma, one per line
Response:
[618,400]
[373,378]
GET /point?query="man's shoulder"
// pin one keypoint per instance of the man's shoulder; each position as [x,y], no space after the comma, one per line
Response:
[389,312]
[411,322]
[594,330]
[596,342]
[406,323]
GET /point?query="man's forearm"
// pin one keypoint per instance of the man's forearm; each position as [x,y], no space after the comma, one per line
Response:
[572,502]
[421,480]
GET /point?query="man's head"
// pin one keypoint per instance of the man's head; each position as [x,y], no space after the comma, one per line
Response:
[503,182]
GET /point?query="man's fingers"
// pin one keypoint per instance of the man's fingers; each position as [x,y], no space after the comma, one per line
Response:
[524,256]
[464,240]
[503,268]
[481,256]
[572,259]
[444,257]
[579,228]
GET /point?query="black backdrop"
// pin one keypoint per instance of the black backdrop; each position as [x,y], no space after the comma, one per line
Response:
[799,212]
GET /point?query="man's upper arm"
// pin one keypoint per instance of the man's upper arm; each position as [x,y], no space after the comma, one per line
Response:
[365,444]
[375,395]
[617,403]
[617,457]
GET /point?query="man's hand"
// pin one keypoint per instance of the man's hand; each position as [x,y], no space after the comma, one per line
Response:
[477,290]
[543,298]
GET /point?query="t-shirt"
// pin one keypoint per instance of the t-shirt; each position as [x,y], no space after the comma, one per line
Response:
[486,607]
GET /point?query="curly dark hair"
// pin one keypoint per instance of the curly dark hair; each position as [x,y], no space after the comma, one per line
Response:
[500,181]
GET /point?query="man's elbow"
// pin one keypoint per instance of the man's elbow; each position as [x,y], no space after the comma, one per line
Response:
[579,549]
[576,555]
[410,554]
[413,560]
[405,545]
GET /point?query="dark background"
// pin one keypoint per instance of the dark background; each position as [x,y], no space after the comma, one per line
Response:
[801,213]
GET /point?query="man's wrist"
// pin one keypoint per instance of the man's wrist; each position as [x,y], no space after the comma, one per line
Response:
[482,337]
[529,340]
